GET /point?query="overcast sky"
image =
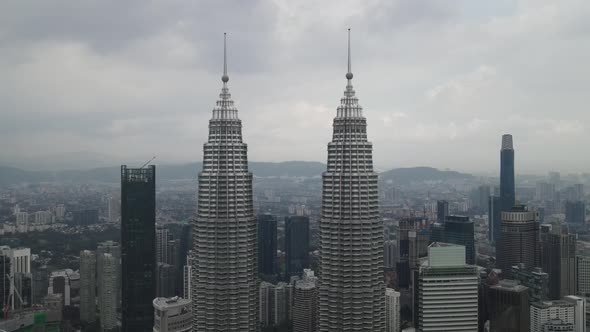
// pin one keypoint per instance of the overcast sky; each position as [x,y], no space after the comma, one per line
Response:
[439,81]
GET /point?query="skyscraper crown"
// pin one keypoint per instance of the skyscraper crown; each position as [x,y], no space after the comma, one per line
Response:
[224,108]
[507,142]
[349,107]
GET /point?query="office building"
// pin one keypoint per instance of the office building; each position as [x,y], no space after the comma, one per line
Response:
[535,280]
[85,217]
[266,304]
[575,212]
[442,211]
[282,303]
[108,293]
[4,282]
[187,276]
[544,314]
[579,311]
[172,315]
[507,187]
[390,254]
[494,219]
[225,283]
[40,284]
[87,286]
[447,290]
[519,240]
[558,259]
[165,280]
[163,236]
[113,248]
[296,245]
[392,310]
[545,191]
[20,264]
[456,230]
[267,245]
[305,303]
[138,254]
[352,292]
[508,307]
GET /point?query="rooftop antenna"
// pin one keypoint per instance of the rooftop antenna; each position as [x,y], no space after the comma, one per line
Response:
[224,78]
[147,162]
[349,73]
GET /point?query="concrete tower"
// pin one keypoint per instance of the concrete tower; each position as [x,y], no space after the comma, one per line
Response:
[352,291]
[224,285]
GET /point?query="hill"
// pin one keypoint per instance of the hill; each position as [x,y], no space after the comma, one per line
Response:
[420,174]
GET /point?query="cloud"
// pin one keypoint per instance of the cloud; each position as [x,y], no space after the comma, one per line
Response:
[439,84]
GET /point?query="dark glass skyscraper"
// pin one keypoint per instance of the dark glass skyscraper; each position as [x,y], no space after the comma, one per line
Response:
[296,245]
[442,211]
[138,252]
[519,240]
[507,191]
[558,259]
[267,244]
[457,230]
[494,218]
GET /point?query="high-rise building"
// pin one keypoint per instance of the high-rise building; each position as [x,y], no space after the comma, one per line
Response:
[544,313]
[558,259]
[266,302]
[40,284]
[519,240]
[456,230]
[165,280]
[579,312]
[225,287]
[351,288]
[87,286]
[575,212]
[442,211]
[163,235]
[186,279]
[4,282]
[507,188]
[494,218]
[20,263]
[113,248]
[282,301]
[138,238]
[296,245]
[172,315]
[545,191]
[108,293]
[392,310]
[390,254]
[583,275]
[305,303]
[508,307]
[447,290]
[535,280]
[267,244]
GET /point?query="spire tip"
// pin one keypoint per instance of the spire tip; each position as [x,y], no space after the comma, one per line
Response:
[349,73]
[224,78]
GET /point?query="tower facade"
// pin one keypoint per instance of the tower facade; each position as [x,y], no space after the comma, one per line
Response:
[352,291]
[296,245]
[224,262]
[507,191]
[138,238]
[87,286]
[519,240]
[267,244]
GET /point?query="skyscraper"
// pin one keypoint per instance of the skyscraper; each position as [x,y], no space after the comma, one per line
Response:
[305,303]
[507,190]
[87,286]
[113,248]
[351,292]
[575,212]
[457,230]
[267,244]
[519,240]
[558,259]
[296,245]
[138,238]
[494,218]
[108,293]
[225,290]
[448,290]
[442,211]
[392,313]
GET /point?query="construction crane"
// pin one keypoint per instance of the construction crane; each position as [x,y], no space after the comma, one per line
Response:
[147,162]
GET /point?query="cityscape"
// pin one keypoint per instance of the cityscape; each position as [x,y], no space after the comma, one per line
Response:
[224,242]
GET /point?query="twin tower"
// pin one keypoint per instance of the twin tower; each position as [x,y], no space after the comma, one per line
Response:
[224,256]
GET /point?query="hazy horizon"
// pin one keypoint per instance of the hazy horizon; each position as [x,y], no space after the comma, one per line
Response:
[439,82]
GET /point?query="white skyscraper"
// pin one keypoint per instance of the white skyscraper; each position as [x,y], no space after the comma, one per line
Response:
[305,303]
[447,290]
[543,313]
[113,248]
[87,286]
[351,288]
[225,272]
[579,312]
[392,315]
[108,292]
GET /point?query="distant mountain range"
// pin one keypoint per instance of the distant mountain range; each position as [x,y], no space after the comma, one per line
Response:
[13,175]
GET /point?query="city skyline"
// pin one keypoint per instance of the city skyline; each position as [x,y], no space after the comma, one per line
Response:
[436,79]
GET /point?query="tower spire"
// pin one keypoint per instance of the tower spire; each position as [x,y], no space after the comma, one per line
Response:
[224,78]
[349,73]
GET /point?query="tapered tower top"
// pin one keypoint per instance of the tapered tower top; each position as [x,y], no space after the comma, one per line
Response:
[349,73]
[507,142]
[225,78]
